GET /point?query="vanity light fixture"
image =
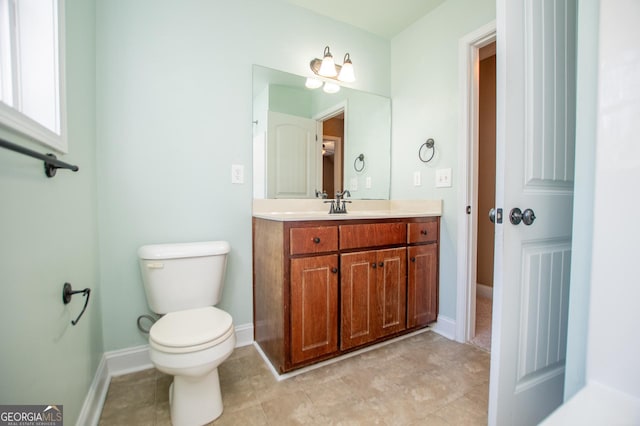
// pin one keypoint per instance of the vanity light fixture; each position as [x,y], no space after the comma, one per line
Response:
[326,67]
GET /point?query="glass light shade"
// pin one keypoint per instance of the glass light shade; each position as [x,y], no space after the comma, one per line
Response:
[312,83]
[328,66]
[331,88]
[346,73]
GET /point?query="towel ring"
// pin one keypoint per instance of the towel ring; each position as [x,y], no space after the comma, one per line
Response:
[429,144]
[355,163]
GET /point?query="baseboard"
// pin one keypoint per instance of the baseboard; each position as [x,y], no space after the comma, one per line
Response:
[484,291]
[92,407]
[445,327]
[126,361]
[244,335]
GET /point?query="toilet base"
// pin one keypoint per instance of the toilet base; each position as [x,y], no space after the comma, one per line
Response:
[195,401]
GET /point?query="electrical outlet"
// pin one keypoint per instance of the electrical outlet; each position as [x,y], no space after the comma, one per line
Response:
[417,178]
[443,178]
[367,183]
[237,173]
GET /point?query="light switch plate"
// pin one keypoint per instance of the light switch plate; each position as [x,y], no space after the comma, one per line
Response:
[367,183]
[417,178]
[237,173]
[353,184]
[443,178]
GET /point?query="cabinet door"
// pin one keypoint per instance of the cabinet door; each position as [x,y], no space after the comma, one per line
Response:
[422,285]
[358,285]
[391,291]
[373,287]
[314,307]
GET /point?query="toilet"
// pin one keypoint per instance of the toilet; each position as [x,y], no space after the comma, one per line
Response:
[183,282]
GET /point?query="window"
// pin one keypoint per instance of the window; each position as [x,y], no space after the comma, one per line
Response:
[32,70]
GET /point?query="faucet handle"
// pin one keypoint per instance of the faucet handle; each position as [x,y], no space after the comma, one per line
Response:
[332,209]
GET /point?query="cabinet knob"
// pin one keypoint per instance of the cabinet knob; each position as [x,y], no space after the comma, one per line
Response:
[424,232]
[374,266]
[334,270]
[316,240]
[381,264]
[413,259]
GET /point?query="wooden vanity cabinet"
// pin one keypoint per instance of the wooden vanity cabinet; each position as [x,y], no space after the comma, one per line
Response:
[322,288]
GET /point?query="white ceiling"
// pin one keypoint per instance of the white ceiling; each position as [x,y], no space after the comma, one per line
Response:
[385,18]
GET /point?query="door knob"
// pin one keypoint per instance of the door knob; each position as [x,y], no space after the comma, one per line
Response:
[528,216]
[492,215]
[516,216]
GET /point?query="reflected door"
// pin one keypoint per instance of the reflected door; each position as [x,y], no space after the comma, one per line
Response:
[293,157]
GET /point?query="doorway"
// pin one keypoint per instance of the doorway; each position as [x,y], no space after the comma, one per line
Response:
[332,150]
[331,132]
[486,178]
[472,241]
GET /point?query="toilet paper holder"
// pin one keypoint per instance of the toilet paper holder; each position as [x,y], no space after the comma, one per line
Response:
[68,292]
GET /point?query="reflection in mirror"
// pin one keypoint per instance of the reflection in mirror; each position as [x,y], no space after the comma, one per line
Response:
[306,142]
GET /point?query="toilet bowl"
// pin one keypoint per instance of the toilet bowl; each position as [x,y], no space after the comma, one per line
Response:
[190,345]
[184,282]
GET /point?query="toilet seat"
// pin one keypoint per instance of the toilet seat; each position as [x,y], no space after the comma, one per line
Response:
[191,330]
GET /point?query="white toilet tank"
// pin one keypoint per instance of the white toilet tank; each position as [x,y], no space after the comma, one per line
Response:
[183,276]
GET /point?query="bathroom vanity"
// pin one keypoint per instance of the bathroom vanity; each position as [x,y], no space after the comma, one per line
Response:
[324,285]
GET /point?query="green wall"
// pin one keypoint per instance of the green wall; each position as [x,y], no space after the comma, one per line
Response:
[48,237]
[426,104]
[174,108]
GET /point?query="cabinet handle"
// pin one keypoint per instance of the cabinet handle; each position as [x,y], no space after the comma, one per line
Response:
[413,259]
[374,266]
[424,232]
[316,240]
[381,264]
[334,270]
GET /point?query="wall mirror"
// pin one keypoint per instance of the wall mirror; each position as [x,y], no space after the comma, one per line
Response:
[352,149]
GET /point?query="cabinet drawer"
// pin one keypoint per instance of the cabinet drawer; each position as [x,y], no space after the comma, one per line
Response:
[317,239]
[372,235]
[423,232]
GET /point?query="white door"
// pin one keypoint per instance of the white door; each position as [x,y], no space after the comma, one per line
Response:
[535,158]
[293,157]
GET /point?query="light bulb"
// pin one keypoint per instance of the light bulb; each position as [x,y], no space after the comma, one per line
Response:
[331,87]
[312,83]
[346,73]
[328,66]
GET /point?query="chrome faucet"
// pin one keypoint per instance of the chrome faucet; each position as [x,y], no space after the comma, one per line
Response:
[340,206]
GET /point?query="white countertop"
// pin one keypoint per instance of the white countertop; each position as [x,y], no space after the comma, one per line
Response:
[297,210]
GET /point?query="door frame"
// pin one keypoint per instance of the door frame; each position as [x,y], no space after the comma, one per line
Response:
[468,51]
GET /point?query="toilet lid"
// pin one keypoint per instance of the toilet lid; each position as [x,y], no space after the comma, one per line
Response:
[191,327]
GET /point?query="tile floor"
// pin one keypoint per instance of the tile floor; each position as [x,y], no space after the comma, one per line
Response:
[421,380]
